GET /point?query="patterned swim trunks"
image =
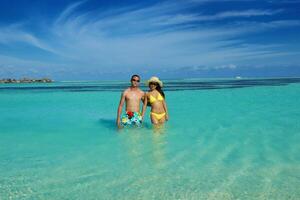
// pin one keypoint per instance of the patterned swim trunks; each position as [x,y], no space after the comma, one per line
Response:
[131,118]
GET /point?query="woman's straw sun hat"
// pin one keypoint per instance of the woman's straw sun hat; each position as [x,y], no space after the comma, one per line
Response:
[154,79]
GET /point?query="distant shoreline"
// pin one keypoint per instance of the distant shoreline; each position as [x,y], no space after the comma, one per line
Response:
[26,80]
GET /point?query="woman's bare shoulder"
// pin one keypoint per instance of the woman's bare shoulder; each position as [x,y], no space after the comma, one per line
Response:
[150,93]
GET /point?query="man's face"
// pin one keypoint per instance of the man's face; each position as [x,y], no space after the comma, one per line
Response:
[135,81]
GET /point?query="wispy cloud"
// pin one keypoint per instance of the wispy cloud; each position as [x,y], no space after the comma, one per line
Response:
[14,33]
[165,35]
[135,38]
[68,11]
[188,18]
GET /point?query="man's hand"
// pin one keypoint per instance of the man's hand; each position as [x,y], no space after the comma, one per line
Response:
[118,123]
[122,100]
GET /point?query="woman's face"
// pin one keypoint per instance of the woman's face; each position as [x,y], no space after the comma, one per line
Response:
[152,86]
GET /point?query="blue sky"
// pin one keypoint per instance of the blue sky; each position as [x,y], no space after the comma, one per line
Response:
[94,40]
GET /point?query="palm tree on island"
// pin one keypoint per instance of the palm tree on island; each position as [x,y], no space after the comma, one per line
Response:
[26,80]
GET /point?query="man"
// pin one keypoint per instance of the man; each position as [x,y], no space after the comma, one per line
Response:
[132,96]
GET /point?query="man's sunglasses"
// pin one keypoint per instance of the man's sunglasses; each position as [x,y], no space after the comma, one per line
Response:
[137,80]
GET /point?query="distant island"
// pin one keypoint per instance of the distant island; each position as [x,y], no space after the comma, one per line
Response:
[26,80]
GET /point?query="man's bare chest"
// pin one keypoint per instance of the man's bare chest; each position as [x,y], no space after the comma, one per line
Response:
[133,96]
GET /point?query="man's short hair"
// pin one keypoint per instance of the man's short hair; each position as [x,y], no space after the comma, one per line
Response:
[135,75]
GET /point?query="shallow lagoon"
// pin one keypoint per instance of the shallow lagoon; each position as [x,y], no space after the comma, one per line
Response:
[226,139]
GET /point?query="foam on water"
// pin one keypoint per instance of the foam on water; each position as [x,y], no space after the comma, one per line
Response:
[219,144]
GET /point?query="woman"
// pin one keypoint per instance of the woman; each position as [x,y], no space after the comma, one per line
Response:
[156,98]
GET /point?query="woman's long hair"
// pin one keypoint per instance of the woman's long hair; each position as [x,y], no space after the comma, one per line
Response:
[158,88]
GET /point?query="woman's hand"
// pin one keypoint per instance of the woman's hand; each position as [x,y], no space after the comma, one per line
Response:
[167,117]
[142,116]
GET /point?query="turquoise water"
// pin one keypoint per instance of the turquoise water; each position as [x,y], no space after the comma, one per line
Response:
[226,139]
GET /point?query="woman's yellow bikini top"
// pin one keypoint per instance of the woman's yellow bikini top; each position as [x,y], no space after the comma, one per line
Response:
[152,99]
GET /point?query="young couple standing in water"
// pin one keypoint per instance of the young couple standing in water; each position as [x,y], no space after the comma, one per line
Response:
[132,98]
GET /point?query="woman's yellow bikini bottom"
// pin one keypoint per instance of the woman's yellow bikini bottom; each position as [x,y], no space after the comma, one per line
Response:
[158,116]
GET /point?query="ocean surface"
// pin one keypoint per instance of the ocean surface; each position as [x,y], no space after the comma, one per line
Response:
[226,139]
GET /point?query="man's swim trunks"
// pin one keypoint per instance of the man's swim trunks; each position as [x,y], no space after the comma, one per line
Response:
[131,118]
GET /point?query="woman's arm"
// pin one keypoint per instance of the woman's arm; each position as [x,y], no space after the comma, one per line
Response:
[166,110]
[145,104]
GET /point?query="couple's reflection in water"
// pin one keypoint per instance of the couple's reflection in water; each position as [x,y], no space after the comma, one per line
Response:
[159,145]
[145,147]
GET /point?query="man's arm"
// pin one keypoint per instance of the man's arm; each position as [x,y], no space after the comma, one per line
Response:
[122,100]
